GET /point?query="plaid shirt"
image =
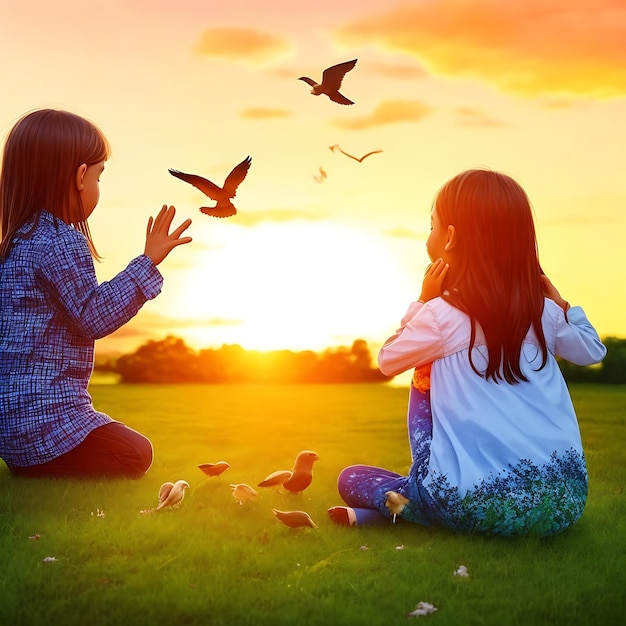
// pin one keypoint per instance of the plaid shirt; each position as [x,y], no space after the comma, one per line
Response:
[51,312]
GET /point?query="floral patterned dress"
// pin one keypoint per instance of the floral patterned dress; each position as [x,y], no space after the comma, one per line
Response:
[486,456]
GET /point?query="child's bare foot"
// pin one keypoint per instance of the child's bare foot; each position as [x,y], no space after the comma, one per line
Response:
[343,515]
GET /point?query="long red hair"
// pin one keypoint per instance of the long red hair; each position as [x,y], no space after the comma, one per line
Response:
[496,276]
[41,155]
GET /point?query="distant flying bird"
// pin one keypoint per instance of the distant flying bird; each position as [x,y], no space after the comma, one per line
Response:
[172,494]
[321,177]
[300,476]
[360,160]
[331,82]
[222,195]
[395,502]
[243,492]
[294,519]
[214,469]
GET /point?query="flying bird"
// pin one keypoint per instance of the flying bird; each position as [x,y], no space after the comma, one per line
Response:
[331,82]
[214,469]
[243,492]
[294,519]
[296,480]
[222,195]
[321,177]
[395,502]
[172,494]
[360,160]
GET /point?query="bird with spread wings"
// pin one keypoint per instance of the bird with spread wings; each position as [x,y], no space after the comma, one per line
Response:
[222,195]
[359,159]
[332,78]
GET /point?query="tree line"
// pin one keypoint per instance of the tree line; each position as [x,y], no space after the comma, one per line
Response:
[171,360]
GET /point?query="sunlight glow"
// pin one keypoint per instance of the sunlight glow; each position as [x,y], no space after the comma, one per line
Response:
[302,286]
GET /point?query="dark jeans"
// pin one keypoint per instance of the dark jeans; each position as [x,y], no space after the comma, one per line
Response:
[112,450]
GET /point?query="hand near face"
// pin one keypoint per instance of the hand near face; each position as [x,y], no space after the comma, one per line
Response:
[550,291]
[159,241]
[432,285]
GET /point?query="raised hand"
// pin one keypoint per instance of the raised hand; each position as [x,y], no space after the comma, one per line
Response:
[550,291]
[432,285]
[159,241]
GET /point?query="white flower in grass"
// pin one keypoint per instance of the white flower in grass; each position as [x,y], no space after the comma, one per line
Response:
[99,513]
[364,548]
[422,608]
[462,571]
[50,559]
[34,537]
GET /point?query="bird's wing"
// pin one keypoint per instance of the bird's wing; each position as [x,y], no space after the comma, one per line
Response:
[368,154]
[332,76]
[339,98]
[308,81]
[207,187]
[346,153]
[214,469]
[164,491]
[299,481]
[238,173]
[275,478]
[294,519]
[225,210]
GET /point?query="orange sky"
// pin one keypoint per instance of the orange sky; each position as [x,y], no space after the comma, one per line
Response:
[534,89]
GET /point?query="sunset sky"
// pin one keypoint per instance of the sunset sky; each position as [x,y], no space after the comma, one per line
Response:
[535,89]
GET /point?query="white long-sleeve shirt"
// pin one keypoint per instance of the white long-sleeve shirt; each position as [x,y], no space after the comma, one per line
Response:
[482,428]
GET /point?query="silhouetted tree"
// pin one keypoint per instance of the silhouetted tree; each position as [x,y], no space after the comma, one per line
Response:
[172,361]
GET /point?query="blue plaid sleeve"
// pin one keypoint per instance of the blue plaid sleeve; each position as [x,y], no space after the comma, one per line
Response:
[96,310]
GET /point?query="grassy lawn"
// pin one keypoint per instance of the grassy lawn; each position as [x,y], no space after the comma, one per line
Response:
[213,561]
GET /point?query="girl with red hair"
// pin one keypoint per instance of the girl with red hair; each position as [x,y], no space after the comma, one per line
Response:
[495,443]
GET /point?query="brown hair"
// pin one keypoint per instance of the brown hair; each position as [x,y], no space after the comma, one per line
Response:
[41,155]
[497,276]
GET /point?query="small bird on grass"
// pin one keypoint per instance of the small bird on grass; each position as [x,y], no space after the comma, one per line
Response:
[243,492]
[214,469]
[222,195]
[296,480]
[422,608]
[172,494]
[331,82]
[395,502]
[294,519]
[359,159]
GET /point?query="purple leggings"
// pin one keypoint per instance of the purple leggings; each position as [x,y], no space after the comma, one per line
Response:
[363,487]
[112,450]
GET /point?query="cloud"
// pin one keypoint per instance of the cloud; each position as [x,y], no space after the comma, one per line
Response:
[558,103]
[276,215]
[240,44]
[149,325]
[263,113]
[529,48]
[475,118]
[396,70]
[388,112]
[404,233]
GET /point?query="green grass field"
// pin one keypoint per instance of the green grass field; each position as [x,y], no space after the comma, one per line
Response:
[212,561]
